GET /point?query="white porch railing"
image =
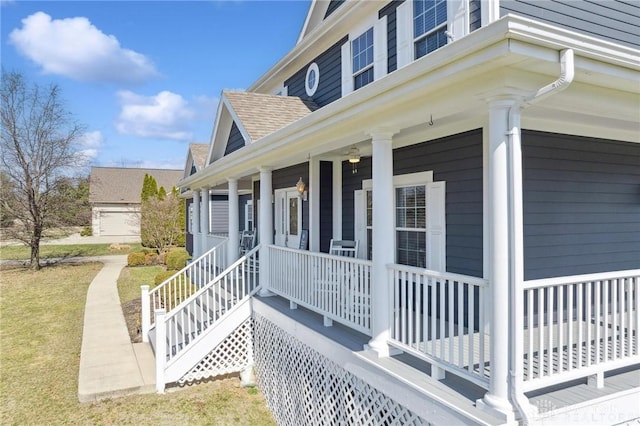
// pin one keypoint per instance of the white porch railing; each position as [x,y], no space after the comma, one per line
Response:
[339,288]
[194,315]
[171,292]
[579,326]
[439,316]
[181,334]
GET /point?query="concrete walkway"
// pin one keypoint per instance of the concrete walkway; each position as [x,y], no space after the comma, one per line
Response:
[110,365]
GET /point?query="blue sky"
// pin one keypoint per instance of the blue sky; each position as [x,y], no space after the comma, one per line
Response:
[144,77]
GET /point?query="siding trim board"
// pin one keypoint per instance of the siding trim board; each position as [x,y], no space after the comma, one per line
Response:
[581,205]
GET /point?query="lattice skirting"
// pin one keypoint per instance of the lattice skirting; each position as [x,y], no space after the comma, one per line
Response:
[233,355]
[303,387]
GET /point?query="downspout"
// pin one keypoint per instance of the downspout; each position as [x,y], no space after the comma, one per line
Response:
[567,71]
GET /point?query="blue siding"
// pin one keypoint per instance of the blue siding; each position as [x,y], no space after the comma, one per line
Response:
[326,205]
[613,20]
[235,141]
[390,12]
[581,205]
[455,159]
[330,84]
[333,5]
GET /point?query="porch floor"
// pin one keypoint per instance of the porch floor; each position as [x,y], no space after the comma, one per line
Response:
[455,389]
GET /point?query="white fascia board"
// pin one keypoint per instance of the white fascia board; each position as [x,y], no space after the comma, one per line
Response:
[325,35]
[188,164]
[213,143]
[480,48]
[236,119]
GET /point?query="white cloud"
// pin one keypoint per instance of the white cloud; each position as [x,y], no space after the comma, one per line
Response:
[75,48]
[166,115]
[89,145]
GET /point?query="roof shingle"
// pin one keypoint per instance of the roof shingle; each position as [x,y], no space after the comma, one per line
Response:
[124,185]
[263,114]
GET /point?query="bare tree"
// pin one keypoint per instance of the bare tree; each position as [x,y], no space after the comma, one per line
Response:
[161,221]
[38,144]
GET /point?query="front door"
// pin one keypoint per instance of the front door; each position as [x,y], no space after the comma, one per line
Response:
[288,218]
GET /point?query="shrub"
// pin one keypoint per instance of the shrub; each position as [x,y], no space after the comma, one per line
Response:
[137,258]
[87,231]
[161,276]
[176,259]
[150,259]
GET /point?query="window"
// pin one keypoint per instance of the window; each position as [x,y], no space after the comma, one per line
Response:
[429,26]
[362,54]
[312,79]
[248,216]
[419,220]
[411,226]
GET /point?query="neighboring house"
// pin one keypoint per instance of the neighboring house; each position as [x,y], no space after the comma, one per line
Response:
[485,155]
[114,194]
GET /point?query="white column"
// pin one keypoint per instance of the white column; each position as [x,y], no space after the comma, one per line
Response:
[337,199]
[265,230]
[205,223]
[499,280]
[383,247]
[234,217]
[314,204]
[195,230]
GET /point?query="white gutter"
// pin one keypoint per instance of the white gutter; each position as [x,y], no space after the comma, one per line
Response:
[567,71]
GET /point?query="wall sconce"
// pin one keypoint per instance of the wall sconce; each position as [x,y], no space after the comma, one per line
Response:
[354,159]
[302,189]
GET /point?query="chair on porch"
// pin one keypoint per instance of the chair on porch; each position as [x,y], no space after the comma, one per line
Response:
[247,241]
[348,248]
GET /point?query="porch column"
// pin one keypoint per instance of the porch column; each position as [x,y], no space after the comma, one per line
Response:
[314,204]
[205,224]
[337,199]
[234,217]
[500,176]
[266,228]
[195,225]
[383,246]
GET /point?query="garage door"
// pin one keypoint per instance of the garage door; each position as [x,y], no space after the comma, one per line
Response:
[119,223]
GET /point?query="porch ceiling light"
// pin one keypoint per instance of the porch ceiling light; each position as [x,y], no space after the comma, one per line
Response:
[354,159]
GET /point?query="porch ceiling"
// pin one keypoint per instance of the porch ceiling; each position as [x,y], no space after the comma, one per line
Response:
[450,88]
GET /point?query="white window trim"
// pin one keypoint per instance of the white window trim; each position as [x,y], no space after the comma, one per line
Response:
[457,27]
[248,207]
[380,68]
[311,90]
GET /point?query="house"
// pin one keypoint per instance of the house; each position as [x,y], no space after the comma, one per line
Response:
[217,224]
[485,155]
[114,194]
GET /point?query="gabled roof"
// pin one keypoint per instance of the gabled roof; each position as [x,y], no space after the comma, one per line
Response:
[196,158]
[199,154]
[124,185]
[318,11]
[260,114]
[256,115]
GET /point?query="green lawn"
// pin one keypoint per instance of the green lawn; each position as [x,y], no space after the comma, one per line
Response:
[41,334]
[131,279]
[55,251]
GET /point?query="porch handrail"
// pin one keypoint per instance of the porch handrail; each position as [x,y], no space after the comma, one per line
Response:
[440,317]
[337,287]
[181,285]
[209,304]
[578,326]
